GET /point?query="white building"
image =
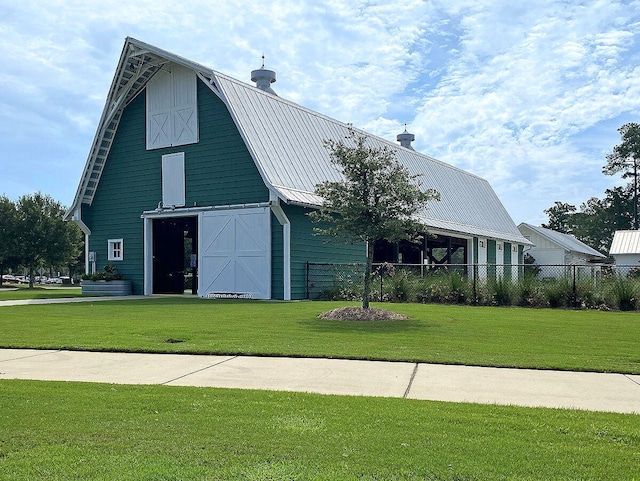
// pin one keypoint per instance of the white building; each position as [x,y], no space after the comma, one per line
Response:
[625,249]
[553,250]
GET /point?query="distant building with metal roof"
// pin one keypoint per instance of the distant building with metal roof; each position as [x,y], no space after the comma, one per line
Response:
[625,248]
[181,146]
[553,249]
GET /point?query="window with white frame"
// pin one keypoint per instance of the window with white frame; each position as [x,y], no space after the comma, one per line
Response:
[115,249]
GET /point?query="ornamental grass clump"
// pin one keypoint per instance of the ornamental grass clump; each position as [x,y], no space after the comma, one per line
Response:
[624,294]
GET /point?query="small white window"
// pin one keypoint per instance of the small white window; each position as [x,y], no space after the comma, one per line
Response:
[115,249]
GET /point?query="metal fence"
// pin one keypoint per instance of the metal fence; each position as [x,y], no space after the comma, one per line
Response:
[575,286]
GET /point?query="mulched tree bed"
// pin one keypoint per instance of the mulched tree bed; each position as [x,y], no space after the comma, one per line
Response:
[361,314]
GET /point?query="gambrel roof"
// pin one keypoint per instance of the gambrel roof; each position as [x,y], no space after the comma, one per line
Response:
[286,142]
[564,241]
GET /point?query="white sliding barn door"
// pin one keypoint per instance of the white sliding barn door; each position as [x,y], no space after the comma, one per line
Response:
[235,253]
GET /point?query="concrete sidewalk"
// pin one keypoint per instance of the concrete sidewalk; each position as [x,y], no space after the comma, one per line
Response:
[523,387]
[66,300]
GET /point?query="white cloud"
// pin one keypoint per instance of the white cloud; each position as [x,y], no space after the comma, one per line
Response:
[507,90]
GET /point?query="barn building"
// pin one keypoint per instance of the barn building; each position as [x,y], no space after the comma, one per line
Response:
[190,167]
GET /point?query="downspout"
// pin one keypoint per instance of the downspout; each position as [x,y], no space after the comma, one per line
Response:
[277,210]
[77,218]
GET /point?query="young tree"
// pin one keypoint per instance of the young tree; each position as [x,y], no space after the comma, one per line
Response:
[626,159]
[43,237]
[8,223]
[377,198]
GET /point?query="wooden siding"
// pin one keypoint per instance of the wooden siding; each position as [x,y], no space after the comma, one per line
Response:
[277,259]
[491,251]
[218,171]
[307,246]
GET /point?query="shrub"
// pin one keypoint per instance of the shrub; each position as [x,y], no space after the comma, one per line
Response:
[110,273]
[624,294]
[526,293]
[500,292]
[558,292]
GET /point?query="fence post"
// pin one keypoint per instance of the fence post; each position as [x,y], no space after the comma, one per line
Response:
[475,280]
[574,301]
[380,271]
[307,283]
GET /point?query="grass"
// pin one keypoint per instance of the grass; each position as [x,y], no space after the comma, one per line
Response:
[11,292]
[485,336]
[64,431]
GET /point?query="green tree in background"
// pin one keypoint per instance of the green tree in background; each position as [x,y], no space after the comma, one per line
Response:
[596,221]
[377,199]
[560,217]
[626,159]
[43,237]
[9,257]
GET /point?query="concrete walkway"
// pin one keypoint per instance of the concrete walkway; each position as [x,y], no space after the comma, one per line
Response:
[66,300]
[523,387]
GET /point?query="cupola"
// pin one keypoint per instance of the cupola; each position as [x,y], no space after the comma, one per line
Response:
[405,138]
[264,78]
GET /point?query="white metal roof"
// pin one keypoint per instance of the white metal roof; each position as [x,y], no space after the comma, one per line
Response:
[286,142]
[565,241]
[625,242]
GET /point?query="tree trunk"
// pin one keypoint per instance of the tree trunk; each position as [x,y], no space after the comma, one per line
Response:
[367,277]
[31,272]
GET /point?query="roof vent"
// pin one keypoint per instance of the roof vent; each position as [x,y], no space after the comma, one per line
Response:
[405,138]
[264,78]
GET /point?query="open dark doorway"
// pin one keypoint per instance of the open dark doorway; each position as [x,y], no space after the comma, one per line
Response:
[175,250]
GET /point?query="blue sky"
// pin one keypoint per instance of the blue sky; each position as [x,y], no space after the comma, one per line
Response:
[528,96]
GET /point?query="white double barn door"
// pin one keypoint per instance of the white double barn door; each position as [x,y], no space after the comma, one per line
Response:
[235,253]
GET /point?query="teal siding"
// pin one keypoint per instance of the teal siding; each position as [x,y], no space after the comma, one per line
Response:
[218,171]
[507,260]
[307,246]
[475,250]
[277,259]
[491,251]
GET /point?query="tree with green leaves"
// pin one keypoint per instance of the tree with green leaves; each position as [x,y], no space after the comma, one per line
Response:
[43,237]
[626,159]
[560,217]
[376,199]
[596,221]
[8,226]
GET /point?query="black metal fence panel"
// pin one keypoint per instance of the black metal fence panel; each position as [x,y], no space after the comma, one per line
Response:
[569,286]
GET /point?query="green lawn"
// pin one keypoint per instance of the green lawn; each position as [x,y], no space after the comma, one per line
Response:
[64,431]
[528,338]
